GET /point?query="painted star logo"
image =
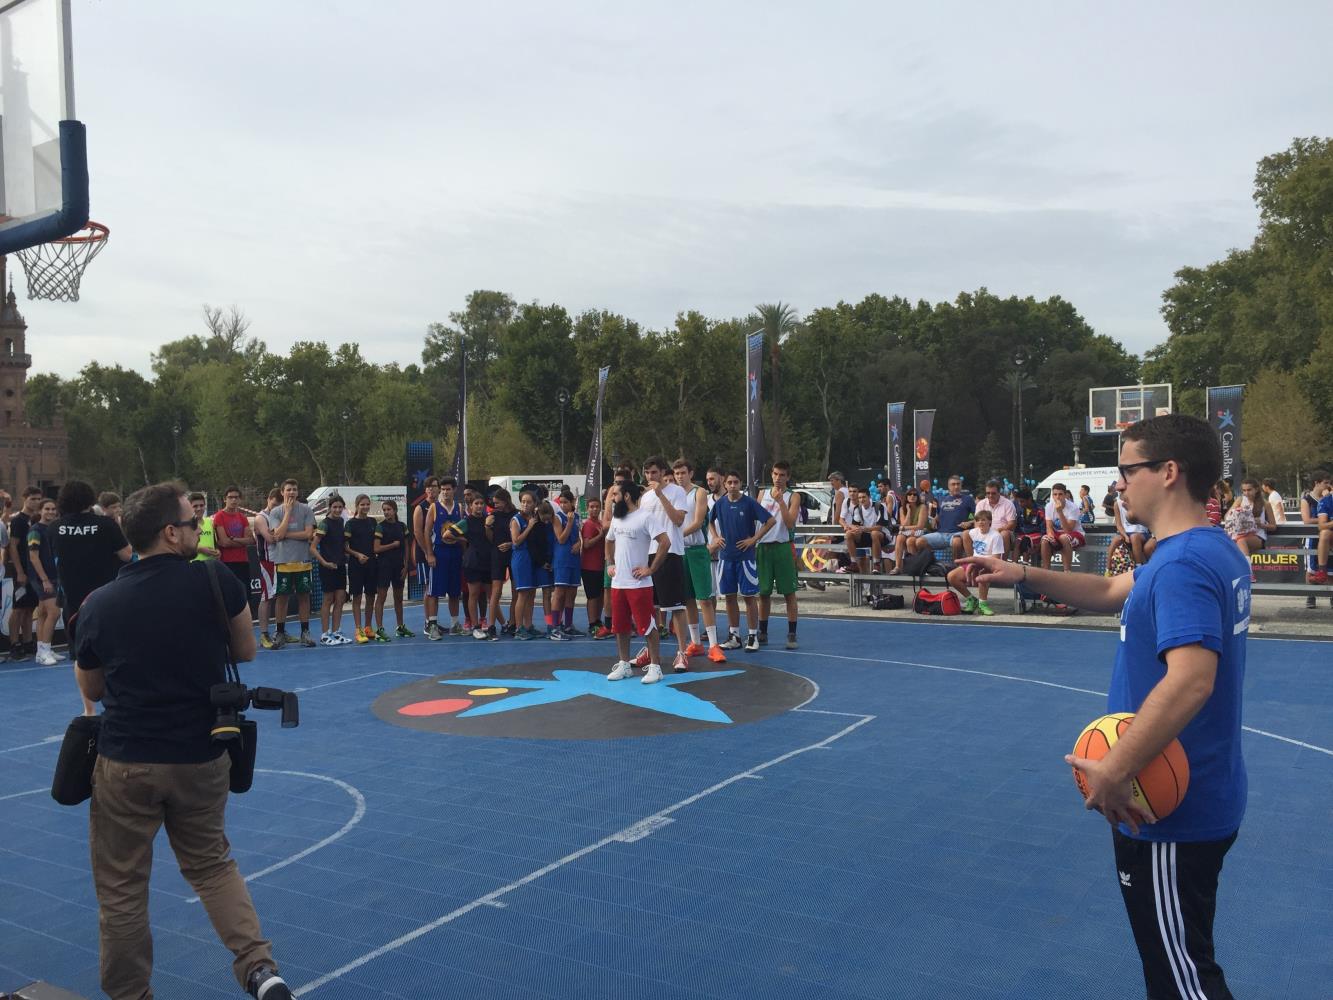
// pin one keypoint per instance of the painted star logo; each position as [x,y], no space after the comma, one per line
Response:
[894,433]
[572,699]
[754,387]
[1225,419]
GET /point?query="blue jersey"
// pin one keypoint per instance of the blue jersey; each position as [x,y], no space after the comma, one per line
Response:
[563,552]
[954,510]
[1195,590]
[442,519]
[1324,506]
[735,520]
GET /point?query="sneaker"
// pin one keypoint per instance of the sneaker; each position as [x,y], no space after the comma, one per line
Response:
[265,984]
[1319,576]
[556,634]
[493,634]
[480,633]
[305,639]
[643,659]
[753,645]
[622,670]
[791,642]
[327,639]
[663,632]
[571,632]
[524,634]
[47,659]
[361,637]
[382,636]
[733,642]
[716,655]
[341,640]
[681,664]
[1310,601]
[266,640]
[694,649]
[433,632]
[984,609]
[280,640]
[653,675]
[18,651]
[605,633]
[763,638]
[969,605]
[403,632]
[457,629]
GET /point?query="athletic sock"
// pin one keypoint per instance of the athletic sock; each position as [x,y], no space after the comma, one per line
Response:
[763,626]
[569,617]
[282,628]
[712,634]
[791,628]
[694,633]
[550,619]
[753,633]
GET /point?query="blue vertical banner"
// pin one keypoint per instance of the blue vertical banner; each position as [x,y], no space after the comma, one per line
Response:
[420,467]
[459,467]
[592,484]
[1224,406]
[923,423]
[754,425]
[895,466]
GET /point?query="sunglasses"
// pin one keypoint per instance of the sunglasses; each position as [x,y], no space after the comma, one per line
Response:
[192,524]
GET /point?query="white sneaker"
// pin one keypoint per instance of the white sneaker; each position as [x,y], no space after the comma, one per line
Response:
[338,639]
[681,665]
[623,669]
[653,675]
[753,645]
[733,641]
[327,639]
[47,659]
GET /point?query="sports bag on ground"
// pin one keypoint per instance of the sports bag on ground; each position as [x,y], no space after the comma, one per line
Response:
[943,603]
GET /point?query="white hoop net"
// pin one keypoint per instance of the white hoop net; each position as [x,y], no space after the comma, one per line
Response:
[55,269]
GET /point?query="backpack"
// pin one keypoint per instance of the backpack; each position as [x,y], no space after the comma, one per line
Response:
[921,565]
[943,603]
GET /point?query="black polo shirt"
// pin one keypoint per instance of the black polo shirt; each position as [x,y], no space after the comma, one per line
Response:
[154,630]
[86,548]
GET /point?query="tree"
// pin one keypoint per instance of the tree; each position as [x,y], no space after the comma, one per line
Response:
[1281,440]
[779,320]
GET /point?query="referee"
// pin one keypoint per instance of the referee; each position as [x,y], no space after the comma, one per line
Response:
[1180,667]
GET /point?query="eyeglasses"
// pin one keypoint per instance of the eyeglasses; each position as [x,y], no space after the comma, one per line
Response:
[192,524]
[1125,470]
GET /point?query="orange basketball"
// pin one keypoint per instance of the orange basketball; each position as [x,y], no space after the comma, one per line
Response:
[1159,787]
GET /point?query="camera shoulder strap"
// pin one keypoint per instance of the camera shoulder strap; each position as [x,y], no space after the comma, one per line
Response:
[211,567]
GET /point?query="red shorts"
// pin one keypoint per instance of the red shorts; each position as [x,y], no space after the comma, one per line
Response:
[632,610]
[1076,539]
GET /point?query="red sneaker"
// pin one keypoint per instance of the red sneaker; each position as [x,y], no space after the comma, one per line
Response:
[1320,576]
[694,649]
[643,659]
[716,655]
[603,633]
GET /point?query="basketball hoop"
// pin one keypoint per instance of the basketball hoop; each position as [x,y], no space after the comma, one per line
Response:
[54,269]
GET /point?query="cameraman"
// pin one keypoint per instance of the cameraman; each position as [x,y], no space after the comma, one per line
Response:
[157,763]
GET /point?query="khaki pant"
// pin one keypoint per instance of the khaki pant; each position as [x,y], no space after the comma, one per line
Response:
[130,803]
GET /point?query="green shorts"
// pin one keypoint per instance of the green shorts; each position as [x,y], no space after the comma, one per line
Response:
[777,568]
[698,572]
[294,583]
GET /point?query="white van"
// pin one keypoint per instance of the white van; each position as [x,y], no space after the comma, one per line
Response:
[1098,480]
[319,499]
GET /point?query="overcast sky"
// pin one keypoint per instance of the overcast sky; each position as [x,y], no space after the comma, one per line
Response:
[350,171]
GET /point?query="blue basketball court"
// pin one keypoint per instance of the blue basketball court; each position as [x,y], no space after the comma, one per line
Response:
[885,813]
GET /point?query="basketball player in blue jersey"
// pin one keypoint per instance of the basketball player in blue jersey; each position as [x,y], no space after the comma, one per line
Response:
[422,516]
[447,549]
[734,538]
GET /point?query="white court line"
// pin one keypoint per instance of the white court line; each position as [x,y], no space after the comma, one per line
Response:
[39,743]
[345,680]
[360,812]
[19,795]
[634,830]
[820,711]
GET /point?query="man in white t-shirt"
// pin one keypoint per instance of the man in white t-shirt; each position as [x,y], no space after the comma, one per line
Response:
[1273,498]
[1064,531]
[982,540]
[861,526]
[775,555]
[664,498]
[635,534]
[1004,516]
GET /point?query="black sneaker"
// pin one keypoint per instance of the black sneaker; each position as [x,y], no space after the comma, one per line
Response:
[18,651]
[1310,601]
[763,638]
[265,984]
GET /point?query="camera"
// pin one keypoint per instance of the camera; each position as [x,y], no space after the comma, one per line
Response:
[233,698]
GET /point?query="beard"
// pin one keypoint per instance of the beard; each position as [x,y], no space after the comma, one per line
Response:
[620,509]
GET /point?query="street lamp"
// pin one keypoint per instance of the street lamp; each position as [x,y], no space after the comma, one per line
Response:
[1021,382]
[175,450]
[1076,436]
[562,398]
[347,479]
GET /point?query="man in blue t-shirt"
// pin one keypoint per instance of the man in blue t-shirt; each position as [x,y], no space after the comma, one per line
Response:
[734,537]
[1180,668]
[955,516]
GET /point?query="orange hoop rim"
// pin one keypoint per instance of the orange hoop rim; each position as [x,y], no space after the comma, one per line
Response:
[92,232]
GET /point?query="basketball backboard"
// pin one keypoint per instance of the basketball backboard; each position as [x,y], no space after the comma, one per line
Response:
[1113,408]
[43,154]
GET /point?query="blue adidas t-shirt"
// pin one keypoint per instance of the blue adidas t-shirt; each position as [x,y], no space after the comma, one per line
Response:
[735,520]
[1195,589]
[954,510]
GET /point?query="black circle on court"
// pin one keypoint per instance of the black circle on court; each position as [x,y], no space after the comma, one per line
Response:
[572,700]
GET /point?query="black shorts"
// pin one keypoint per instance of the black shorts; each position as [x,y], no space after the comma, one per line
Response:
[240,570]
[480,574]
[29,599]
[361,579]
[669,583]
[500,564]
[333,580]
[389,572]
[592,583]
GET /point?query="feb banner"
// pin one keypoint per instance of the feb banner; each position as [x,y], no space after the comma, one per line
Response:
[592,485]
[895,469]
[459,467]
[923,422]
[1224,404]
[754,427]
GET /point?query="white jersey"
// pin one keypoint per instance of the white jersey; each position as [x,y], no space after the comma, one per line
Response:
[989,544]
[867,516]
[700,537]
[1068,517]
[779,532]
[650,502]
[634,536]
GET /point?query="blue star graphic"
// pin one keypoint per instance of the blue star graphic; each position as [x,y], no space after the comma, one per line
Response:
[1225,419]
[569,684]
